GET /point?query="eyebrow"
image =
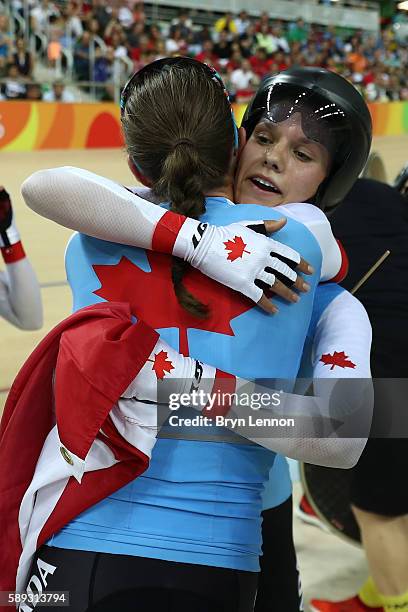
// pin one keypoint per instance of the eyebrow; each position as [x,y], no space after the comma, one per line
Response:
[302,141]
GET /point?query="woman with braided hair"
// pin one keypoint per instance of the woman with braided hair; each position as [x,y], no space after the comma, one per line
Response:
[186,532]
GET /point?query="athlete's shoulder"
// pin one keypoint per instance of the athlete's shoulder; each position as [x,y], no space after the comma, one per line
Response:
[332,300]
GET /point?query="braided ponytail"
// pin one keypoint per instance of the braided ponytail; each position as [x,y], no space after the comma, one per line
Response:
[179,132]
[181,184]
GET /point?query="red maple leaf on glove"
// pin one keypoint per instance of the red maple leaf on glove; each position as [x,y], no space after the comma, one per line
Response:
[161,364]
[236,248]
[337,359]
[151,296]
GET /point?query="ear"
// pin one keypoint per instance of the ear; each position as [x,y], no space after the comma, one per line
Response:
[242,140]
[137,174]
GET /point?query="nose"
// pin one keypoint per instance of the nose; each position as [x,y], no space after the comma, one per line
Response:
[275,157]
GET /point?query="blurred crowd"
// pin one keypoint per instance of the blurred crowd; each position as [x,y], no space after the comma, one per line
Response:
[244,49]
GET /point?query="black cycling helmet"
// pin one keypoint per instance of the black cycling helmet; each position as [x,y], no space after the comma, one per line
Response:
[333,113]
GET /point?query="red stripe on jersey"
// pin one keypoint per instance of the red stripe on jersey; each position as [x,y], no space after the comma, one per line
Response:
[166,232]
[13,253]
[224,386]
[344,268]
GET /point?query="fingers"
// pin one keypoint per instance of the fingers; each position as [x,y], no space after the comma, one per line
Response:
[267,305]
[284,292]
[301,285]
[305,267]
[274,226]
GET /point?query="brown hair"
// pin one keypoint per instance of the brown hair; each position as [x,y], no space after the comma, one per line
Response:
[179,133]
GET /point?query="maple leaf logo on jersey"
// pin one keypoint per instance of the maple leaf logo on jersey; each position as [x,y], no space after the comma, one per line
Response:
[337,359]
[161,364]
[148,291]
[236,248]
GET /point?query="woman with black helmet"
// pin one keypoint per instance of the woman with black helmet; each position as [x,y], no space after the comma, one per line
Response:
[330,111]
[306,151]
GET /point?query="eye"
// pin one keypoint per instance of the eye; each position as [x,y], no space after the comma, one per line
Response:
[304,157]
[262,139]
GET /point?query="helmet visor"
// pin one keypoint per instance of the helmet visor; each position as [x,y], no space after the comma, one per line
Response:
[322,120]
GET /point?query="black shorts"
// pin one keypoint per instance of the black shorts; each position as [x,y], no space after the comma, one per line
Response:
[102,582]
[378,483]
[279,587]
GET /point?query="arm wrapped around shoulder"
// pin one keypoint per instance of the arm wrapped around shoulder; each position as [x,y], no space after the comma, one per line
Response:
[329,428]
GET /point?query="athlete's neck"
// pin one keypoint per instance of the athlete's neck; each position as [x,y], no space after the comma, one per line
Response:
[226,191]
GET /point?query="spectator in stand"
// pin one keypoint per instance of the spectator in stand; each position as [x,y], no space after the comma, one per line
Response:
[244,81]
[142,49]
[298,32]
[22,59]
[266,40]
[176,44]
[183,23]
[208,55]
[93,26]
[248,41]
[73,23]
[235,59]
[311,54]
[226,24]
[13,88]
[103,67]
[263,20]
[280,39]
[5,38]
[133,36]
[260,63]
[222,49]
[33,92]
[394,88]
[242,22]
[40,16]
[155,36]
[55,35]
[125,17]
[113,25]
[281,60]
[101,14]
[356,59]
[203,35]
[58,93]
[119,49]
[81,57]
[138,13]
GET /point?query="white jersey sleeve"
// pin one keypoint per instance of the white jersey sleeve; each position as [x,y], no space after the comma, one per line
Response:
[20,297]
[99,207]
[318,224]
[93,205]
[343,332]
[341,350]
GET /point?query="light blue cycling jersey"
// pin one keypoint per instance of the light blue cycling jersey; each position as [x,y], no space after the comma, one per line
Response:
[279,486]
[200,499]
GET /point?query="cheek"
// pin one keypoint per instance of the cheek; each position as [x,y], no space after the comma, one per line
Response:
[307,182]
[247,158]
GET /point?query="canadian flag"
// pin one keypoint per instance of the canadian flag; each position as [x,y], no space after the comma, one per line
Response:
[56,432]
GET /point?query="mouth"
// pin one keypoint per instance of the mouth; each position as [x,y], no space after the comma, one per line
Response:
[264,184]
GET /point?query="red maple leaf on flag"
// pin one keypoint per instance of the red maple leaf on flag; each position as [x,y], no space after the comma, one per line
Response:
[161,364]
[151,296]
[236,248]
[337,359]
